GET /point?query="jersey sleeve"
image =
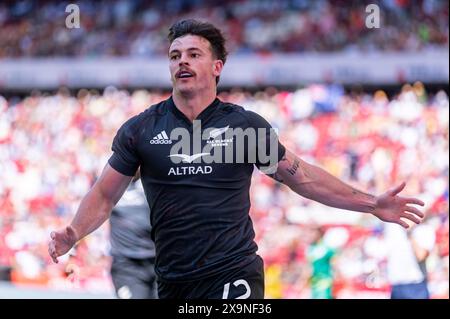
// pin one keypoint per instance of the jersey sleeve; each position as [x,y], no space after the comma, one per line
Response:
[125,158]
[268,150]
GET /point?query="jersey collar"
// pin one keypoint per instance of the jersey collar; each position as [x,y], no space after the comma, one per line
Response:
[203,116]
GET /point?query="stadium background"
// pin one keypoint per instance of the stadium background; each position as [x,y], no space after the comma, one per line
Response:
[369,105]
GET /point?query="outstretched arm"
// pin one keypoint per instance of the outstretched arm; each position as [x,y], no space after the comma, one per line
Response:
[316,184]
[94,210]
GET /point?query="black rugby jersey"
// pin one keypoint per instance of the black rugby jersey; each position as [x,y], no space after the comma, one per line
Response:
[197,183]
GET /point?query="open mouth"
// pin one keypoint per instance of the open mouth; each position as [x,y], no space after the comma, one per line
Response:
[184,74]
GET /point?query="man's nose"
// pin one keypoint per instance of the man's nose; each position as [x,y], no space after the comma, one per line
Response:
[183,60]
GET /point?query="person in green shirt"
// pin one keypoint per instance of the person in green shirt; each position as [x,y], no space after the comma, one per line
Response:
[319,256]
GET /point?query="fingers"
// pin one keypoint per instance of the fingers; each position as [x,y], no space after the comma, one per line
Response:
[54,258]
[403,224]
[414,211]
[411,217]
[398,189]
[410,200]
[52,251]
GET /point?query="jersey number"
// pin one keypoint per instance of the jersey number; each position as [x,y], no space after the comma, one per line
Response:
[226,289]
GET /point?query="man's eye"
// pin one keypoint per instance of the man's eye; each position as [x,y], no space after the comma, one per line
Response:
[173,57]
[195,55]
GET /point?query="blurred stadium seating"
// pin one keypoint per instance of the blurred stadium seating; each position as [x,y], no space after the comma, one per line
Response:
[55,141]
[123,28]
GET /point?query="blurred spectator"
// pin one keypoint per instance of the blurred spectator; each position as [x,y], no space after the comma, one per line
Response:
[135,28]
[52,146]
[320,256]
[408,251]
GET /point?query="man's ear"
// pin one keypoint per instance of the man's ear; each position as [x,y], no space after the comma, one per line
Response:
[217,67]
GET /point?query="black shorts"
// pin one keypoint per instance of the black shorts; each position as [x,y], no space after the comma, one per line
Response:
[241,283]
[134,278]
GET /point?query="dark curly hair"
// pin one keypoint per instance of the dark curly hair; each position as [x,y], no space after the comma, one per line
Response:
[203,29]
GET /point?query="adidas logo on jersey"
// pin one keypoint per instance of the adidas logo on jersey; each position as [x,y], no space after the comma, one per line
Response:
[161,138]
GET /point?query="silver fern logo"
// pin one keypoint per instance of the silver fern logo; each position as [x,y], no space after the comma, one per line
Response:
[218,131]
[258,145]
[214,141]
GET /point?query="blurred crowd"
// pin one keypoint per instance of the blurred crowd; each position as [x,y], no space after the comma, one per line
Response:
[53,146]
[139,28]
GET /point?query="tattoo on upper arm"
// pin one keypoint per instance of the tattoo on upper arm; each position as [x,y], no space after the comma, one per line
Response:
[293,169]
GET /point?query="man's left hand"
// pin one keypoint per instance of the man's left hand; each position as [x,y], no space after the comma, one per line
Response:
[391,208]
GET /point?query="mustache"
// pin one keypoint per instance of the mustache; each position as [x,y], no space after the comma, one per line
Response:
[184,69]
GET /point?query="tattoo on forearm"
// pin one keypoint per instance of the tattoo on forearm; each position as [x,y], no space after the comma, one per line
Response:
[357,192]
[293,169]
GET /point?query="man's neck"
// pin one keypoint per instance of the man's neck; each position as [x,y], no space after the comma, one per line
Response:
[191,105]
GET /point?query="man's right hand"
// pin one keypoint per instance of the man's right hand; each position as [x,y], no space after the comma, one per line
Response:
[61,242]
[94,210]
